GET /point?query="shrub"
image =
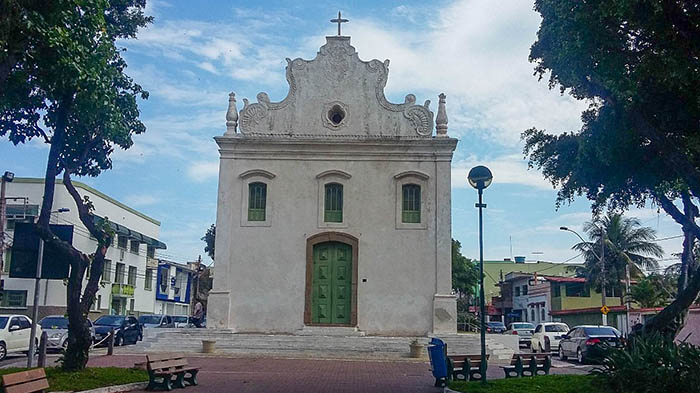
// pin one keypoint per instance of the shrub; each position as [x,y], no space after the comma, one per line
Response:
[651,363]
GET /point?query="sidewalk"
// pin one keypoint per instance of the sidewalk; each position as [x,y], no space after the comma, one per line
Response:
[297,375]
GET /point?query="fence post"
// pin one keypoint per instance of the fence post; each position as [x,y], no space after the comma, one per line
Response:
[42,350]
[110,347]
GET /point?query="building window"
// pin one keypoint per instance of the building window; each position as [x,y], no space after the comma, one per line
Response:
[524,289]
[132,275]
[134,249]
[257,197]
[556,290]
[20,213]
[517,291]
[8,258]
[131,305]
[577,289]
[410,212]
[13,299]
[119,275]
[107,271]
[148,285]
[543,314]
[151,252]
[121,242]
[613,291]
[333,205]
[532,314]
[164,274]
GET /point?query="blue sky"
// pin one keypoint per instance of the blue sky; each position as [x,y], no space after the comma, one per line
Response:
[475,51]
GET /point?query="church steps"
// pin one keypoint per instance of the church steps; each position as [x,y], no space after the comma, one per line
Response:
[227,342]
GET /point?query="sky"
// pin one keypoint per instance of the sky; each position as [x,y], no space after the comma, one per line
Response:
[475,51]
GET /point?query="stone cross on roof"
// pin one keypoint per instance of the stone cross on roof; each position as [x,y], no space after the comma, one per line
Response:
[339,20]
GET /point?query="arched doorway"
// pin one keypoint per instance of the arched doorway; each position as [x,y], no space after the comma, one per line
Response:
[331,280]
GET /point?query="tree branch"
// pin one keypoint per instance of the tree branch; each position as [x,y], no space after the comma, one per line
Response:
[676,214]
[83,212]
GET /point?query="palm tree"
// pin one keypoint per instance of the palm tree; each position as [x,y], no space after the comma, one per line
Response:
[628,245]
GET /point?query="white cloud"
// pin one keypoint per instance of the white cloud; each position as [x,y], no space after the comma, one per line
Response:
[203,170]
[137,200]
[507,169]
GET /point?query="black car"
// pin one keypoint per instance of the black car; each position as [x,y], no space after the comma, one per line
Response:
[495,327]
[127,329]
[586,342]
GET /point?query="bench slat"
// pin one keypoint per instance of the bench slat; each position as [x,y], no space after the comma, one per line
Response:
[29,387]
[164,356]
[167,364]
[23,376]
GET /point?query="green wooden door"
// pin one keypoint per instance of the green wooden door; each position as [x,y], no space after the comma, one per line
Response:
[331,294]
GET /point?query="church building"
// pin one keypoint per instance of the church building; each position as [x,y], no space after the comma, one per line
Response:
[334,207]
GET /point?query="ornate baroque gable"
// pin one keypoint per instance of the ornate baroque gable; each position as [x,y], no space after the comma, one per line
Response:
[335,94]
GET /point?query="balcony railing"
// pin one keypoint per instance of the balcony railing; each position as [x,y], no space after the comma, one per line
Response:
[124,290]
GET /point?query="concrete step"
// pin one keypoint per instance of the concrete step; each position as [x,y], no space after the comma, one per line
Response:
[330,331]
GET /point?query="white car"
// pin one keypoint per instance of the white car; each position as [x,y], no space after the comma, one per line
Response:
[181,321]
[14,334]
[547,336]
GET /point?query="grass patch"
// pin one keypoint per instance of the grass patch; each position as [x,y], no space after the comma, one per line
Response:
[89,378]
[538,384]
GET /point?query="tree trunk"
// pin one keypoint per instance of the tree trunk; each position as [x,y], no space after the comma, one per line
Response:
[670,320]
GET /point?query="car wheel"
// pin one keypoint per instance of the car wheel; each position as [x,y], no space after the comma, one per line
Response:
[561,353]
[541,349]
[579,356]
[117,341]
[3,351]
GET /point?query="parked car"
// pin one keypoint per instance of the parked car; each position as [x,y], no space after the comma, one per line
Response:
[547,336]
[495,327]
[522,329]
[181,321]
[56,328]
[127,328]
[156,321]
[585,342]
[14,334]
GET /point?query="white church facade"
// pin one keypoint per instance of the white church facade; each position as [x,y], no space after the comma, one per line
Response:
[334,206]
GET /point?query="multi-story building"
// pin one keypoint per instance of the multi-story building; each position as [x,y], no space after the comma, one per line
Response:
[129,271]
[173,288]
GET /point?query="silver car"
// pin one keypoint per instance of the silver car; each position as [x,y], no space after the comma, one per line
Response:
[56,328]
[156,321]
[523,329]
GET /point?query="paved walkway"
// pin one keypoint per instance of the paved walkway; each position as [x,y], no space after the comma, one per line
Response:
[249,375]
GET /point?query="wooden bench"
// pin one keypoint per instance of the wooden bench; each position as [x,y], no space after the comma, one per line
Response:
[528,364]
[162,368]
[465,367]
[29,381]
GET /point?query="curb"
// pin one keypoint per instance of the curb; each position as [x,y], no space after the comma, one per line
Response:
[448,390]
[115,389]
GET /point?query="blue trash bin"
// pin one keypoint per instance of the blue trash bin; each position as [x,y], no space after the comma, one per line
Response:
[437,351]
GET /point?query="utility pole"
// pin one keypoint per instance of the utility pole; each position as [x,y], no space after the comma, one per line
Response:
[602,272]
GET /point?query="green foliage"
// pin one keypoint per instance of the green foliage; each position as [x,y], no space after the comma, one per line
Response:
[210,239]
[652,291]
[538,384]
[627,244]
[651,363]
[88,378]
[465,273]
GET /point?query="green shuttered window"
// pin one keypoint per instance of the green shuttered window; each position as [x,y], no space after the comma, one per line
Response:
[410,212]
[333,207]
[257,195]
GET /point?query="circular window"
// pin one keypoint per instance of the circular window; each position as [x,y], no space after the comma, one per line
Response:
[336,115]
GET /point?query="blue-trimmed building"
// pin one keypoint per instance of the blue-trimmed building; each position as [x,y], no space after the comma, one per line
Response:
[173,288]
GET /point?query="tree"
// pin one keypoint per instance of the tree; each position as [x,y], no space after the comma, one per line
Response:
[63,81]
[649,292]
[210,239]
[636,62]
[465,274]
[628,245]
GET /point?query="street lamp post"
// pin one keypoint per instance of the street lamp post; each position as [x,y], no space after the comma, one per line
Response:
[35,308]
[480,177]
[601,258]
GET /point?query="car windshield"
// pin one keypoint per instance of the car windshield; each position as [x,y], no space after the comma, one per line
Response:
[54,323]
[180,319]
[522,326]
[110,320]
[601,331]
[149,319]
[3,322]
[556,328]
